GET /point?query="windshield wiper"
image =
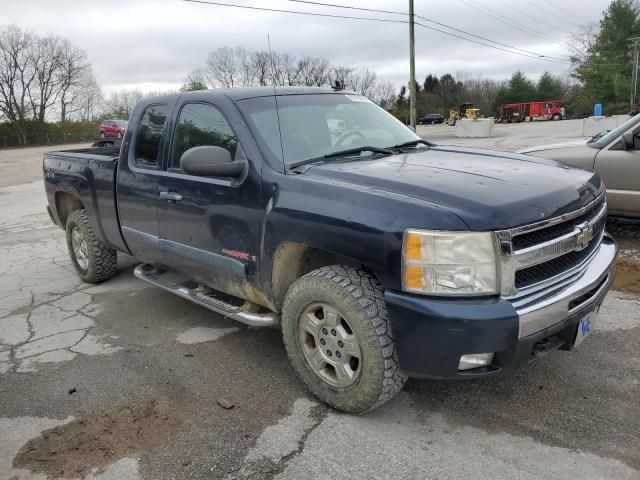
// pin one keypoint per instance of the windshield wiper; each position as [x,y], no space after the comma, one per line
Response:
[598,136]
[412,143]
[342,153]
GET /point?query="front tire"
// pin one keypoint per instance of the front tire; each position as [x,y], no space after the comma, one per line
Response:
[338,337]
[93,260]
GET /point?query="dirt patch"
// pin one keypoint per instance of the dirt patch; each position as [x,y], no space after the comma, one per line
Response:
[627,277]
[91,443]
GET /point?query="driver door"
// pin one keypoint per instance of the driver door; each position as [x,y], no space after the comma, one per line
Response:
[208,225]
[620,170]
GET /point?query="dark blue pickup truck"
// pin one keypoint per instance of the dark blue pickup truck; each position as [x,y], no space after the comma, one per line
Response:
[379,255]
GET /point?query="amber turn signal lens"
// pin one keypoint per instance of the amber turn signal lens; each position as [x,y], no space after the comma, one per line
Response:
[413,247]
[414,278]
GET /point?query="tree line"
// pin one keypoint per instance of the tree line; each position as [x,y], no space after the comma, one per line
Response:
[440,94]
[40,74]
[45,78]
[229,67]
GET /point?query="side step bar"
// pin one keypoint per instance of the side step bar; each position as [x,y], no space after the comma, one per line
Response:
[151,274]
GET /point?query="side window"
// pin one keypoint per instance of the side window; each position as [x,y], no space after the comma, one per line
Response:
[201,124]
[149,135]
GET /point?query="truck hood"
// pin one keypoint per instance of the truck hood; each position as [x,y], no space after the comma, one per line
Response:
[575,143]
[487,190]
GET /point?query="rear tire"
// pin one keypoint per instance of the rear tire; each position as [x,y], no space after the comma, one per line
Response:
[93,260]
[338,338]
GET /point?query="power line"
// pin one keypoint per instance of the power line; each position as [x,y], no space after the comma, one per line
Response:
[537,57]
[547,12]
[528,15]
[395,12]
[362,9]
[384,20]
[558,7]
[505,20]
[296,12]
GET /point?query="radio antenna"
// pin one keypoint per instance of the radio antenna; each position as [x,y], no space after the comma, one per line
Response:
[275,97]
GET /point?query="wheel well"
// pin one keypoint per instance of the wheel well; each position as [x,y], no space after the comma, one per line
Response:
[293,260]
[65,204]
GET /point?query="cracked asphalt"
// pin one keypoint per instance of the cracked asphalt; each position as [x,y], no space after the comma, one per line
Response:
[125,381]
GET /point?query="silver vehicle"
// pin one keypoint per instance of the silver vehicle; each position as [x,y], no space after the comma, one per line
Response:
[614,154]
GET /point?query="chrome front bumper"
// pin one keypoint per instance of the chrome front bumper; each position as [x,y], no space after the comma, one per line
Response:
[553,304]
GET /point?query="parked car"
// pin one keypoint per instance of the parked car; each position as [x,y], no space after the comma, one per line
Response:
[113,128]
[614,155]
[378,254]
[431,119]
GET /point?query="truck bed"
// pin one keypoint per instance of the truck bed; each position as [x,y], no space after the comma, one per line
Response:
[87,176]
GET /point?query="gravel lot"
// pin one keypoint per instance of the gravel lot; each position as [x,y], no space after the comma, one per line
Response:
[125,381]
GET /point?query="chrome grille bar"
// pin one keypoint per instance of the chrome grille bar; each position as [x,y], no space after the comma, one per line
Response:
[582,235]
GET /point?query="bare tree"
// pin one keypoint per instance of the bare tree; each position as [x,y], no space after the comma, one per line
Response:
[581,42]
[121,104]
[46,88]
[384,94]
[75,77]
[312,71]
[229,67]
[285,69]
[362,81]
[263,74]
[340,74]
[222,68]
[89,101]
[196,80]
[16,75]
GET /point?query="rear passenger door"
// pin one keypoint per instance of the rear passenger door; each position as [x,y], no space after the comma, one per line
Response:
[137,185]
[209,226]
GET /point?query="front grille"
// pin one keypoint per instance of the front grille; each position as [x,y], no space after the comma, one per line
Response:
[546,270]
[536,237]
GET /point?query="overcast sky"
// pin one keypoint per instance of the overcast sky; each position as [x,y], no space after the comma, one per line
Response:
[154,44]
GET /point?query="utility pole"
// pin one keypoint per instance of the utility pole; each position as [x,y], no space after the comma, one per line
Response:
[412,68]
[635,42]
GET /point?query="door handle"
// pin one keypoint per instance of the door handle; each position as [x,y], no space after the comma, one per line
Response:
[171,196]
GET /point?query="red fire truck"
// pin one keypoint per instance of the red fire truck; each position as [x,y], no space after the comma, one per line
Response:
[520,112]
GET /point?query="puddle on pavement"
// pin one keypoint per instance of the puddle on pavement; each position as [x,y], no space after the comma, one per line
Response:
[91,443]
[627,277]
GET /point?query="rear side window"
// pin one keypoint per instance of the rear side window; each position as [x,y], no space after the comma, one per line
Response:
[149,135]
[201,124]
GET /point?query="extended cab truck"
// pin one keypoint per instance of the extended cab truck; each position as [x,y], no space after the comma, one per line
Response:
[378,254]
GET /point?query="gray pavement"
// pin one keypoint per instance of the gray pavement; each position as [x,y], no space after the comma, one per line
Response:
[125,381]
[508,137]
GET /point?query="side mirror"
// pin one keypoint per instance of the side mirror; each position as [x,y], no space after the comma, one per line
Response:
[629,140]
[210,161]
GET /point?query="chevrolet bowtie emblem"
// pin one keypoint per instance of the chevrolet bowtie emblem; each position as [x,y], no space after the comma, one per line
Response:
[584,237]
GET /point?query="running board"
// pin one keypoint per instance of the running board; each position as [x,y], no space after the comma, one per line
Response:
[151,274]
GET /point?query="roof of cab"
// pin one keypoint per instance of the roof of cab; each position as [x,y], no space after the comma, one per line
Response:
[242,93]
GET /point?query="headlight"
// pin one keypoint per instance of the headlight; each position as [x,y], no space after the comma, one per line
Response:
[449,263]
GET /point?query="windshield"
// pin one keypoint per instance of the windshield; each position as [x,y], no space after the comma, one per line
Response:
[609,137]
[121,123]
[313,126]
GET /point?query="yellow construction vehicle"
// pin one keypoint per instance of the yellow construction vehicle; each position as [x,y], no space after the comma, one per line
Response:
[466,110]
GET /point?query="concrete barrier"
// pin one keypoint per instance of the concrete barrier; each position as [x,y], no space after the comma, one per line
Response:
[482,128]
[593,125]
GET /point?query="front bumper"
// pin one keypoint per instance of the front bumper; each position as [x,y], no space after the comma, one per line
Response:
[432,334]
